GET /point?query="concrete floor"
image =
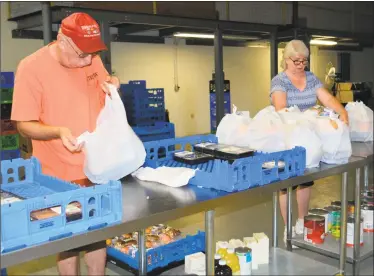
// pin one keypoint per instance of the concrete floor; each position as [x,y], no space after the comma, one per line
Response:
[236,221]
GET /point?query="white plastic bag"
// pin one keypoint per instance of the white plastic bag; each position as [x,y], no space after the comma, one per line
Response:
[233,128]
[266,132]
[302,134]
[113,150]
[360,121]
[336,143]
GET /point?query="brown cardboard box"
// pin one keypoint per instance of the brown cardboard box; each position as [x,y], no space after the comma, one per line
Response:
[8,127]
[25,145]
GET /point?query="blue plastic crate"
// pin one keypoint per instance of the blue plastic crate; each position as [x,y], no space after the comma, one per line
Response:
[162,256]
[213,104]
[242,174]
[158,131]
[6,79]
[10,154]
[101,205]
[144,106]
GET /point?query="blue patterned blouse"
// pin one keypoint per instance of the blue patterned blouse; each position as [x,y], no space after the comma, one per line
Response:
[302,99]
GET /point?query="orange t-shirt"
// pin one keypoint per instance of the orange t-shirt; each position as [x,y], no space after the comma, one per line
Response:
[47,92]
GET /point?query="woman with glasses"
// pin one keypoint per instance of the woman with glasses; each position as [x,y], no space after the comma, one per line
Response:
[295,86]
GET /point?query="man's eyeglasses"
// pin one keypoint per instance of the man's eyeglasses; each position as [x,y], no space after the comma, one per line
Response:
[81,55]
[298,62]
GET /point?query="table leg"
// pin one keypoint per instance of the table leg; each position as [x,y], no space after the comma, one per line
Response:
[343,225]
[209,242]
[289,218]
[275,219]
[142,253]
[356,247]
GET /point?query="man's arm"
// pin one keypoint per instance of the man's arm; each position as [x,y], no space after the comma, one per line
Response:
[38,131]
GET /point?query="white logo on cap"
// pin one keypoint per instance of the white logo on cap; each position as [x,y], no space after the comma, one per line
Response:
[91,30]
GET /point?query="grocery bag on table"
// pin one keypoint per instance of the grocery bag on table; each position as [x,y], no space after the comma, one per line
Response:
[233,128]
[299,128]
[266,132]
[112,150]
[336,142]
[360,121]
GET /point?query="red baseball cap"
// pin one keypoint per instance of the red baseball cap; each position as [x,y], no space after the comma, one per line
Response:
[84,31]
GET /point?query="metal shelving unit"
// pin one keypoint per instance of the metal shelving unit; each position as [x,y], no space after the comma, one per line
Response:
[331,247]
[281,262]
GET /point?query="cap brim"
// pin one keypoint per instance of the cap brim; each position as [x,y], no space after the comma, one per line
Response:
[90,46]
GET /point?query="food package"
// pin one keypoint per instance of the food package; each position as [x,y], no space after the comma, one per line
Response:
[156,236]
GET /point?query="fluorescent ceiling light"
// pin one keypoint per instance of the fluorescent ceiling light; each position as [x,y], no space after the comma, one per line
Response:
[323,42]
[194,35]
[211,36]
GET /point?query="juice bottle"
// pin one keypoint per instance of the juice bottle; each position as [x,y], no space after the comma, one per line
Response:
[222,251]
[232,260]
[223,269]
[217,257]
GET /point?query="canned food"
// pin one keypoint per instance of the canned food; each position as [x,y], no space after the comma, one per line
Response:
[351,230]
[367,213]
[314,229]
[323,213]
[367,201]
[244,255]
[335,227]
[330,209]
[369,193]
[351,207]
[336,203]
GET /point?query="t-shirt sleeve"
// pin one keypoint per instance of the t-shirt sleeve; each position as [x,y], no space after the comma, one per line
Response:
[27,95]
[277,85]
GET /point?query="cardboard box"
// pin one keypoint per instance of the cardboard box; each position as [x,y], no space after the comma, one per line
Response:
[25,145]
[8,127]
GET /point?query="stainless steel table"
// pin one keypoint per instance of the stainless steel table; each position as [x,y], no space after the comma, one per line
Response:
[331,247]
[146,204]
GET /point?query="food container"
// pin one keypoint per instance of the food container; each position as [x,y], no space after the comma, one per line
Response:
[335,226]
[367,213]
[336,203]
[323,213]
[331,209]
[350,231]
[192,158]
[314,229]
[351,207]
[245,260]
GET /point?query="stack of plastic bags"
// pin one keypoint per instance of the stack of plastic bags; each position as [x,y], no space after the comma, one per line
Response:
[324,136]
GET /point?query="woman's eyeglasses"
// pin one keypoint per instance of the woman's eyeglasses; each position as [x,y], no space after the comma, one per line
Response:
[298,62]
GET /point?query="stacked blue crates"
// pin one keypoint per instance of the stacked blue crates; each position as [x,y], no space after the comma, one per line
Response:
[213,103]
[9,139]
[145,110]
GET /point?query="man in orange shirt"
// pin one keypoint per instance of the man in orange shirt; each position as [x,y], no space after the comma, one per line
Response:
[59,91]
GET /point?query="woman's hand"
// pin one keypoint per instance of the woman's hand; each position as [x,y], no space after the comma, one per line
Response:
[112,80]
[344,117]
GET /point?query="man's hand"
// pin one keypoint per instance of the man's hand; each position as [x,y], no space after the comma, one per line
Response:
[69,141]
[112,80]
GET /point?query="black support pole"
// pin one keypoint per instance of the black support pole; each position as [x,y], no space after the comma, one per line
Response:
[106,55]
[47,22]
[273,54]
[219,78]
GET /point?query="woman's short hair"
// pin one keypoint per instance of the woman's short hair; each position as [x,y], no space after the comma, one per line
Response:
[293,48]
